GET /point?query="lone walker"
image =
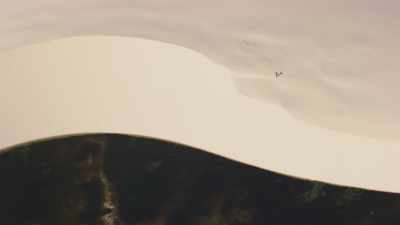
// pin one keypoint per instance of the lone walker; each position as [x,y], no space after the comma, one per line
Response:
[277,74]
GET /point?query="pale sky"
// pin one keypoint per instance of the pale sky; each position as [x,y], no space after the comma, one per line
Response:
[142,87]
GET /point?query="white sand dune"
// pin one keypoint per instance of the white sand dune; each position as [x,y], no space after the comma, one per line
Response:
[339,60]
[134,86]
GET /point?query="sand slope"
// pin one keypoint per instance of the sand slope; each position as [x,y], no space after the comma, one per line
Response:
[339,57]
[339,60]
[136,86]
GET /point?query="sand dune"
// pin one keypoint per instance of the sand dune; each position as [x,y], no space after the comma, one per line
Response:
[339,60]
[339,57]
[134,86]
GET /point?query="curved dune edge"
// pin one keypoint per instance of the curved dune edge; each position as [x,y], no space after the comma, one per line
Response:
[136,86]
[99,137]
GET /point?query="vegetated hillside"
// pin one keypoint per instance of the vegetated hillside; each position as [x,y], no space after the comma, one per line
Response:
[116,179]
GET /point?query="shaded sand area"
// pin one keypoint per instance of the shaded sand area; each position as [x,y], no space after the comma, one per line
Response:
[128,180]
[136,86]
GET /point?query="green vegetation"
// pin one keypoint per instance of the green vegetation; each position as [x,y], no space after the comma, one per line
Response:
[104,179]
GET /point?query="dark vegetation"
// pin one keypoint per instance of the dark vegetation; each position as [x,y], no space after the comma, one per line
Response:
[69,181]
